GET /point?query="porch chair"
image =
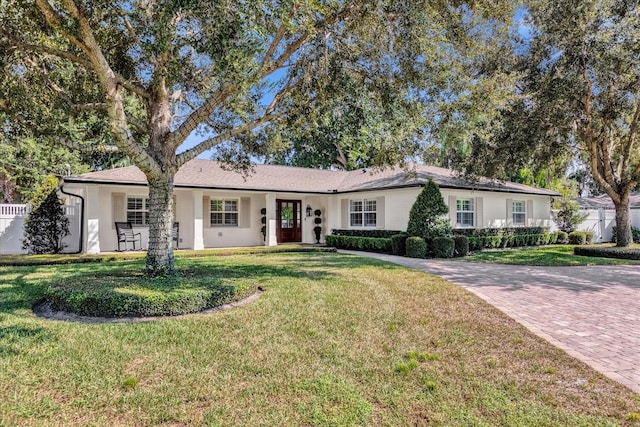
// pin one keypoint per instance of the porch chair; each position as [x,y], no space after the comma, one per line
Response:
[126,234]
[175,234]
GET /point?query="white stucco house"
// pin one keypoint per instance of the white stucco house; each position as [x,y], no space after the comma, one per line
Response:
[218,208]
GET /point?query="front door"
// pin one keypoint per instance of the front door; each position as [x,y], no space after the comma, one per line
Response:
[289,221]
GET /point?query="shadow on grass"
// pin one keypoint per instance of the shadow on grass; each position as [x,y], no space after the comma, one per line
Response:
[23,287]
[14,337]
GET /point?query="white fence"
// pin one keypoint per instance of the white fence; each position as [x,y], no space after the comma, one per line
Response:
[12,218]
[12,228]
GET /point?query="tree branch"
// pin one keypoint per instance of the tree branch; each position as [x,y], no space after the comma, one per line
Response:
[86,148]
[203,146]
[198,116]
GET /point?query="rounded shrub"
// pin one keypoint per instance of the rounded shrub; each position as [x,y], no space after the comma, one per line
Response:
[577,238]
[416,247]
[563,237]
[460,246]
[143,297]
[443,247]
[588,237]
[399,244]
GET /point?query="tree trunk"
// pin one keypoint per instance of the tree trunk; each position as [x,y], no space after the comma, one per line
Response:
[160,260]
[623,224]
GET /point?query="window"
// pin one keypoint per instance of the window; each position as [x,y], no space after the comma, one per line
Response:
[464,212]
[518,212]
[224,212]
[137,210]
[362,213]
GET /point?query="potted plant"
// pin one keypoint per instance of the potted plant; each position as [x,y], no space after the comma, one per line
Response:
[317,229]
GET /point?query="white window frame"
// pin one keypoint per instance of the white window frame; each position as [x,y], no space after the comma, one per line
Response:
[465,208]
[366,216]
[519,212]
[144,210]
[224,212]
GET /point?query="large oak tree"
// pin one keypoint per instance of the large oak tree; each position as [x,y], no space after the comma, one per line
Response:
[141,76]
[578,97]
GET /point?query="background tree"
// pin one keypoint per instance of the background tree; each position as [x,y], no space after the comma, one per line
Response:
[578,97]
[226,73]
[46,224]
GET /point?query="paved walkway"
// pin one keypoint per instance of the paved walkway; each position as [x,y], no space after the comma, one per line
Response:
[593,313]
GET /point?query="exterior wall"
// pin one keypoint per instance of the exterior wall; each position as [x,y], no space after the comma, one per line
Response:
[192,212]
[490,211]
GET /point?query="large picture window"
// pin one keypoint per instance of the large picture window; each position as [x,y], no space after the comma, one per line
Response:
[362,213]
[224,212]
[464,212]
[519,212]
[137,210]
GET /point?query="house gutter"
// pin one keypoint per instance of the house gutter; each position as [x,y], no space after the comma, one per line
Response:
[81,238]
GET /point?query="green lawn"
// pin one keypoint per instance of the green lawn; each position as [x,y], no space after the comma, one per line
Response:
[559,255]
[335,340]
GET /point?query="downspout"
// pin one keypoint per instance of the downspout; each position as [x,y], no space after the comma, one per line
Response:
[61,188]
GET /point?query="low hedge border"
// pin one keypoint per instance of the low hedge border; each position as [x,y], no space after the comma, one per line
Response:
[511,241]
[384,234]
[504,231]
[608,252]
[367,244]
[127,297]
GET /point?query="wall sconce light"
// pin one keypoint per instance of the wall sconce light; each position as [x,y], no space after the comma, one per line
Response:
[308,210]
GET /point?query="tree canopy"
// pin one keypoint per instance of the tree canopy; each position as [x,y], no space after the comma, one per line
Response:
[141,77]
[577,96]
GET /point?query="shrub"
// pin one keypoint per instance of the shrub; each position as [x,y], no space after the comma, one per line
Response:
[366,233]
[553,238]
[416,247]
[567,217]
[399,244]
[562,237]
[460,246]
[442,247]
[577,238]
[425,217]
[610,252]
[126,296]
[367,244]
[46,225]
[589,237]
[503,231]
[635,234]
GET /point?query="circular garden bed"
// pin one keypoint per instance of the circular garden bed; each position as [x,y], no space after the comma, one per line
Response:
[126,296]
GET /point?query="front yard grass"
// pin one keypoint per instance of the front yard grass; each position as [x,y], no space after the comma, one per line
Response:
[335,340]
[554,255]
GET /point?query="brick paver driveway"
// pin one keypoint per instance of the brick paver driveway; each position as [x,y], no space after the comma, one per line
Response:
[593,313]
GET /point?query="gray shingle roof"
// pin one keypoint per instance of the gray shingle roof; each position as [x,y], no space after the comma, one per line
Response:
[199,173]
[604,202]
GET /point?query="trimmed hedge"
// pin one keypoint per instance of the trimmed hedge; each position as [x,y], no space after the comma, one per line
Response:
[126,297]
[442,247]
[608,252]
[510,241]
[509,231]
[416,247]
[562,237]
[399,244]
[460,246]
[368,244]
[577,238]
[385,234]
